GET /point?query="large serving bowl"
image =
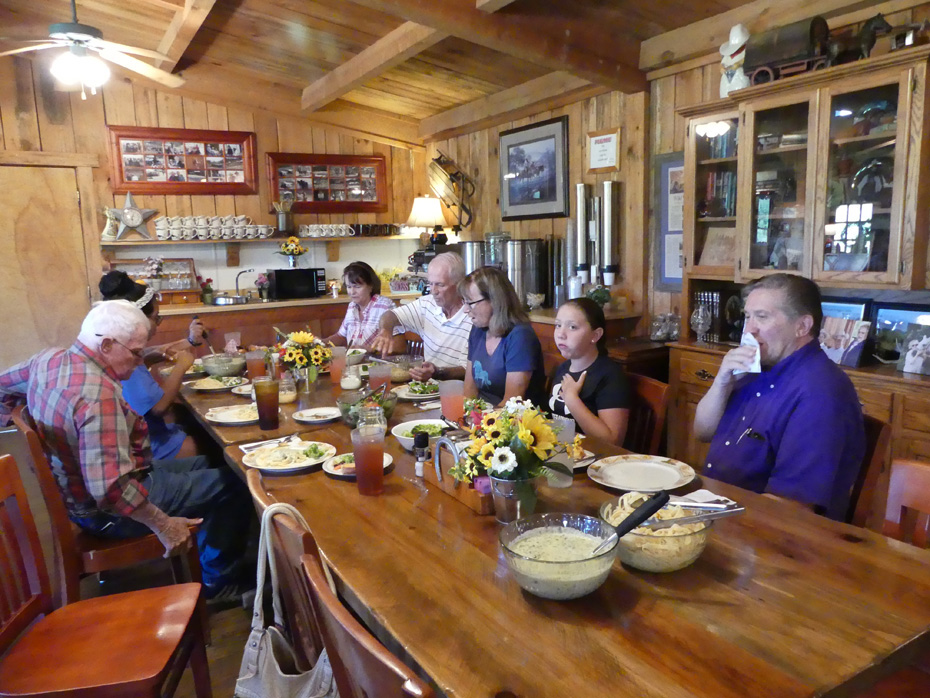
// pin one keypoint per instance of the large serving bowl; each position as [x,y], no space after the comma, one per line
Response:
[348,403]
[402,363]
[224,364]
[668,552]
[563,579]
[403,428]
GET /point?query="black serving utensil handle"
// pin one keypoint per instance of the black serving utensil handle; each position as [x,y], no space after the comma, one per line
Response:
[642,512]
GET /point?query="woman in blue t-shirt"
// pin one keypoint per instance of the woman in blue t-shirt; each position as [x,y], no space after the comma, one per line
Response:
[504,354]
[141,391]
[589,387]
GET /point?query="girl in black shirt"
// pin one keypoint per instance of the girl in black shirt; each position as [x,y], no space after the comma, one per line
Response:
[589,386]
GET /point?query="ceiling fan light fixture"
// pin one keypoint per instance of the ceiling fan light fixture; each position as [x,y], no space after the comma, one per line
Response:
[77,67]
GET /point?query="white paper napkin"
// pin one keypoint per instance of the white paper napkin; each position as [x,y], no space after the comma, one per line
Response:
[700,496]
[430,405]
[756,366]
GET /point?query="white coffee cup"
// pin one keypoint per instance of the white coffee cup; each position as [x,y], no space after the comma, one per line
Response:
[227,232]
[216,232]
[188,221]
[203,232]
[175,233]
[188,233]
[242,220]
[162,233]
[174,222]
[200,220]
[239,232]
[161,223]
[252,231]
[267,231]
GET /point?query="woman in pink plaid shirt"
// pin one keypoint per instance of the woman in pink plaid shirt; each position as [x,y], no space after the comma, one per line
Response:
[362,321]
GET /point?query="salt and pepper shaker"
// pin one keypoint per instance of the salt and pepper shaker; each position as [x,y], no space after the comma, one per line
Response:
[421,451]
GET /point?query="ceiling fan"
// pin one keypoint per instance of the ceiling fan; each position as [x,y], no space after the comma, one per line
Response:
[79,65]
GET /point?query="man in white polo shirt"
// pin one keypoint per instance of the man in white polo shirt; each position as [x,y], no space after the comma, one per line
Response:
[439,318]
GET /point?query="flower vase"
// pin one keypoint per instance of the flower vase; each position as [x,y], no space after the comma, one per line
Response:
[513,499]
[263,293]
[292,261]
[207,298]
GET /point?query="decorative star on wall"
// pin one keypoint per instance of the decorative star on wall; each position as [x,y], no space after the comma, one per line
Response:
[131,217]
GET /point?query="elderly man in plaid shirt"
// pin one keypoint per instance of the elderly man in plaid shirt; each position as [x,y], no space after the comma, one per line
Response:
[100,455]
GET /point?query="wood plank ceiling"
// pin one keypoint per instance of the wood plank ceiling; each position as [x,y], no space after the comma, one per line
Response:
[379,67]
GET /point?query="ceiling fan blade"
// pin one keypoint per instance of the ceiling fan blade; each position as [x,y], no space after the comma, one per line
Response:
[101,44]
[30,48]
[144,69]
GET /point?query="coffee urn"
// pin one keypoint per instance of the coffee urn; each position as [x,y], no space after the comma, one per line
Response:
[472,252]
[527,268]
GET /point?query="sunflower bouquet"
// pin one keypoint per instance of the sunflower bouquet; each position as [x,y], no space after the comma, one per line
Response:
[302,350]
[292,247]
[516,442]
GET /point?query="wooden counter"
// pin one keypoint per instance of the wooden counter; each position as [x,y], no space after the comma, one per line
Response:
[782,603]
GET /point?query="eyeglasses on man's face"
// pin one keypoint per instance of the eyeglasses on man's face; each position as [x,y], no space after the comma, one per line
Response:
[135,352]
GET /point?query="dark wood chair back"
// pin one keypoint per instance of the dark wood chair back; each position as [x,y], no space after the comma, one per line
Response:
[27,592]
[362,666]
[647,414]
[414,344]
[155,633]
[289,542]
[865,508]
[907,513]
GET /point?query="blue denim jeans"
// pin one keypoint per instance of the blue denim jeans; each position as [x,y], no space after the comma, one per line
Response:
[188,487]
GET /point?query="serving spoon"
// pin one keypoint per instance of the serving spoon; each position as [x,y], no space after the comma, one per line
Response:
[640,514]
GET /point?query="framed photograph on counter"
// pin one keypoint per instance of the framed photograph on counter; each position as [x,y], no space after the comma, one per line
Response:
[182,161]
[329,183]
[669,202]
[534,171]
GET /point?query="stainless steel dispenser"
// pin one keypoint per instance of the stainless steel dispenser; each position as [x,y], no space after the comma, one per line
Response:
[473,252]
[527,267]
[610,233]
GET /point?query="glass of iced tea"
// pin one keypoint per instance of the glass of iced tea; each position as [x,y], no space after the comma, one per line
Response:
[378,375]
[266,398]
[255,364]
[368,449]
[452,399]
[337,365]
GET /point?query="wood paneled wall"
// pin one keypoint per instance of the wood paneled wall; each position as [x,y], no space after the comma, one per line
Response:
[35,117]
[476,154]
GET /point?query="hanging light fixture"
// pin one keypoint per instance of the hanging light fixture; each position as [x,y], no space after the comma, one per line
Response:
[77,67]
[427,213]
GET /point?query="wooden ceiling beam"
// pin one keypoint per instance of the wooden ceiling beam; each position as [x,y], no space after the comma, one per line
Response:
[185,25]
[492,5]
[405,42]
[519,36]
[542,94]
[706,37]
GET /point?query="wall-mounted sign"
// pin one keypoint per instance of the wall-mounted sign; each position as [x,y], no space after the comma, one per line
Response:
[604,151]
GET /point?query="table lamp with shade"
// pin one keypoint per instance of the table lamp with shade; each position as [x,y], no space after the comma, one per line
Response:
[427,213]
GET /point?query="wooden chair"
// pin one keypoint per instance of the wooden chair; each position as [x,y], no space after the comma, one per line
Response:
[77,553]
[907,518]
[362,666]
[289,543]
[907,513]
[414,344]
[133,644]
[647,414]
[866,489]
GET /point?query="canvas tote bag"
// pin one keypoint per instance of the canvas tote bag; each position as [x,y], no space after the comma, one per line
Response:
[268,664]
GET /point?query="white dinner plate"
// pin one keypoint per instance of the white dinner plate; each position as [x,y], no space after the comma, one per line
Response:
[584,461]
[239,381]
[233,415]
[243,390]
[404,393]
[331,468]
[640,473]
[317,415]
[287,457]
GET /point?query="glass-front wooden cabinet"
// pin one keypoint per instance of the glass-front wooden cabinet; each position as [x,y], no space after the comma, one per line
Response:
[711,192]
[864,229]
[777,185]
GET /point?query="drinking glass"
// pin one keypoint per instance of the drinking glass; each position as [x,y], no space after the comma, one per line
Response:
[700,322]
[368,449]
[452,399]
[337,365]
[378,375]
[255,364]
[566,434]
[266,398]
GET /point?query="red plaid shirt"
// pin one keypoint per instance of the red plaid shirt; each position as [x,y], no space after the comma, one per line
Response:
[98,447]
[359,327]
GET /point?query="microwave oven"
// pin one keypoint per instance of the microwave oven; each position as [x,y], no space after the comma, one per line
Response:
[286,284]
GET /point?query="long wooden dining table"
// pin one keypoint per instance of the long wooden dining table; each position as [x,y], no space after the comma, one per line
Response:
[781,603]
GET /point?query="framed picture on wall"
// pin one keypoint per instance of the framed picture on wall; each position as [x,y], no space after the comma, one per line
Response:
[534,171]
[182,161]
[329,183]
[668,200]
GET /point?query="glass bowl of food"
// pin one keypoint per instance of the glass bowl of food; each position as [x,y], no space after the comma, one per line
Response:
[350,402]
[550,555]
[224,364]
[657,549]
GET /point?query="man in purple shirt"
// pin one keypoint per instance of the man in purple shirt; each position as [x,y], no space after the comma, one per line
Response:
[795,430]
